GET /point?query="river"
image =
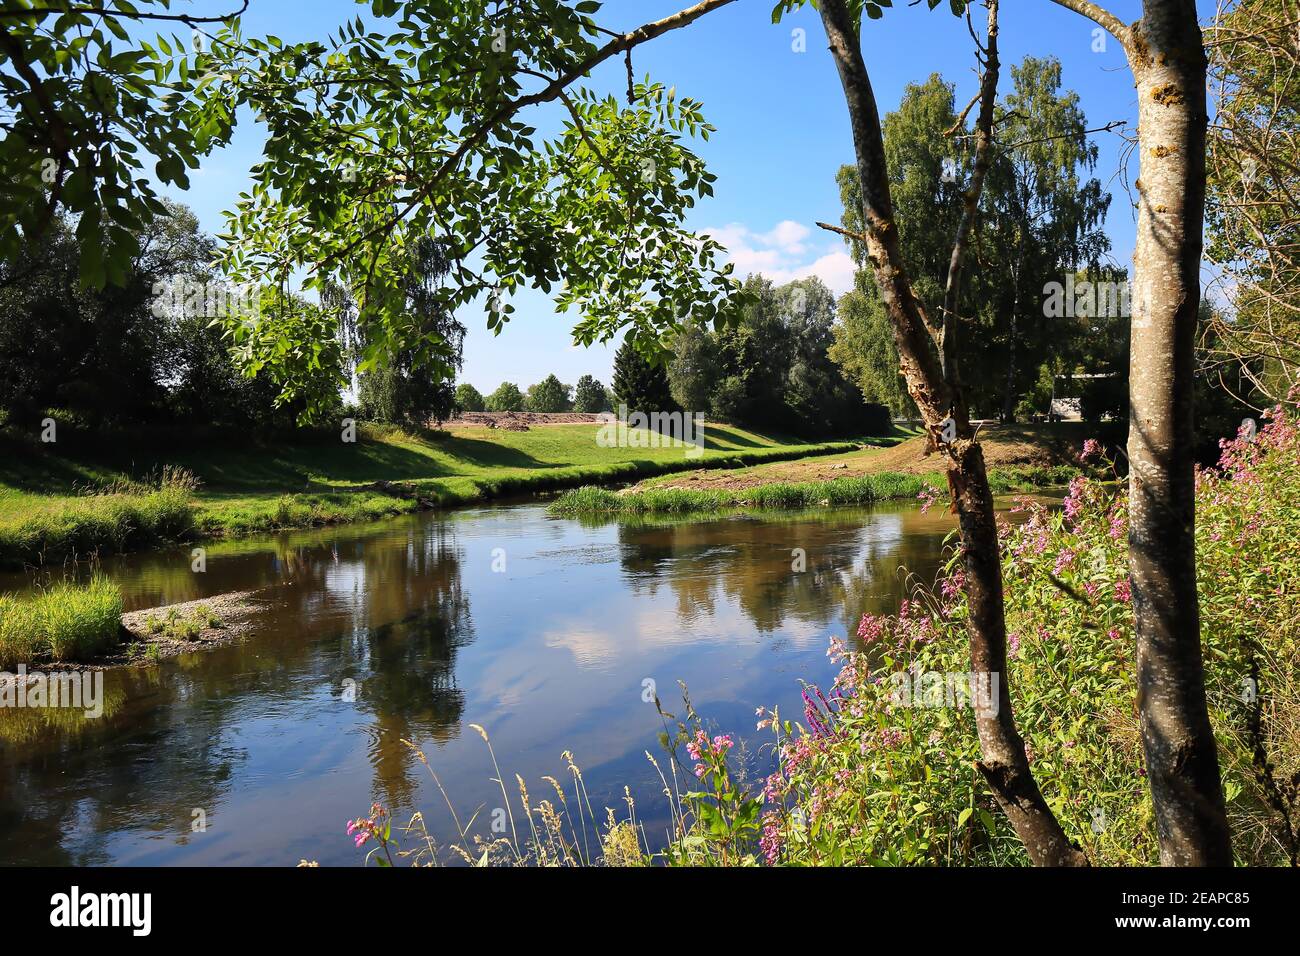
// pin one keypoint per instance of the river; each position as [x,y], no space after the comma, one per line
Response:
[544,631]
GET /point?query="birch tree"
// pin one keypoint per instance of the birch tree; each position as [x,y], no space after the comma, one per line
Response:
[1167,58]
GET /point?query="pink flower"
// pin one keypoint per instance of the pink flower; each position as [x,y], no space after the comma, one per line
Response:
[1123,593]
[770,843]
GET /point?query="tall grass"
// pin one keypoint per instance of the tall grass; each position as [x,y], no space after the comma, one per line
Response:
[67,622]
[119,517]
[858,490]
[783,495]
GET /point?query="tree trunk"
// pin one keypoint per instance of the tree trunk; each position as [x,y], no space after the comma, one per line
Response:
[937,397]
[1169,65]
[1008,402]
[1167,56]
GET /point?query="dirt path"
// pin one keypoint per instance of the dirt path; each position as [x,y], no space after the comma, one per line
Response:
[1005,446]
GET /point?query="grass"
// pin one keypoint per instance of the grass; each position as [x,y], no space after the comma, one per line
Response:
[122,517]
[87,498]
[67,622]
[856,490]
[178,626]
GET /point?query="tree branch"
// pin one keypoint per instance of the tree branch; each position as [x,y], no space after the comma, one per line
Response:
[114,12]
[479,131]
[1112,24]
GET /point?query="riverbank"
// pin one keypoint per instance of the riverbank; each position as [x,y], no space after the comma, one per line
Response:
[1020,458]
[89,494]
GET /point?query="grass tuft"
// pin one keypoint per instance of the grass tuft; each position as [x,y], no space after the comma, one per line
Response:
[67,622]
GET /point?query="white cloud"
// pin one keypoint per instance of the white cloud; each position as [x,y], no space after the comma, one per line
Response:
[784,254]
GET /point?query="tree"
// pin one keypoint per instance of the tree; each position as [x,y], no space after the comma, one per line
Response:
[507,398]
[469,399]
[1166,55]
[111,355]
[863,347]
[640,384]
[81,102]
[695,369]
[935,387]
[414,385]
[1045,221]
[821,400]
[549,395]
[1039,221]
[469,168]
[1253,214]
[589,396]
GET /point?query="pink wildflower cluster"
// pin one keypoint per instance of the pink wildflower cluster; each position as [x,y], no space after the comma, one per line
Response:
[703,750]
[1091,449]
[771,841]
[364,828]
[911,627]
[928,496]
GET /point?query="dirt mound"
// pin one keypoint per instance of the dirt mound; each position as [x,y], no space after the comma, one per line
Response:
[1005,446]
[519,421]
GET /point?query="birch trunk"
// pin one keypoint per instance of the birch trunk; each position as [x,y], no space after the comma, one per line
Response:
[1169,66]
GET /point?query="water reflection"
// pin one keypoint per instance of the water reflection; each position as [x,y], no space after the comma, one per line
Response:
[262,742]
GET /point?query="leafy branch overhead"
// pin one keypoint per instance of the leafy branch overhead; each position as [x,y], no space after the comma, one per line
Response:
[82,113]
[874,9]
[381,137]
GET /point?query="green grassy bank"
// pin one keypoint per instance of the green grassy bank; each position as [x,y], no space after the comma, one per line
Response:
[90,494]
[855,490]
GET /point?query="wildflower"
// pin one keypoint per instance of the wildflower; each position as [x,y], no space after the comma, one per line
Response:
[871,628]
[1123,593]
[1091,449]
[770,843]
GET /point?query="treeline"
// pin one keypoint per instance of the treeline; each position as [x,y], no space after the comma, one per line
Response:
[174,344]
[548,395]
[770,369]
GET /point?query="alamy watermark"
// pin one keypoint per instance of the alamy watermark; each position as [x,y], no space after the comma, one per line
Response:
[1085,299]
[76,690]
[652,430]
[194,298]
[952,689]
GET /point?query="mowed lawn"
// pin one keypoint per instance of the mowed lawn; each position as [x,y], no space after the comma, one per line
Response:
[266,484]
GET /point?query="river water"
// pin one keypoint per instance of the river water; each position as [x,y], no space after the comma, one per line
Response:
[545,631]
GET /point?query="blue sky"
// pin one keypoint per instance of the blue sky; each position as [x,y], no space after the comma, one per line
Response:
[782,134]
